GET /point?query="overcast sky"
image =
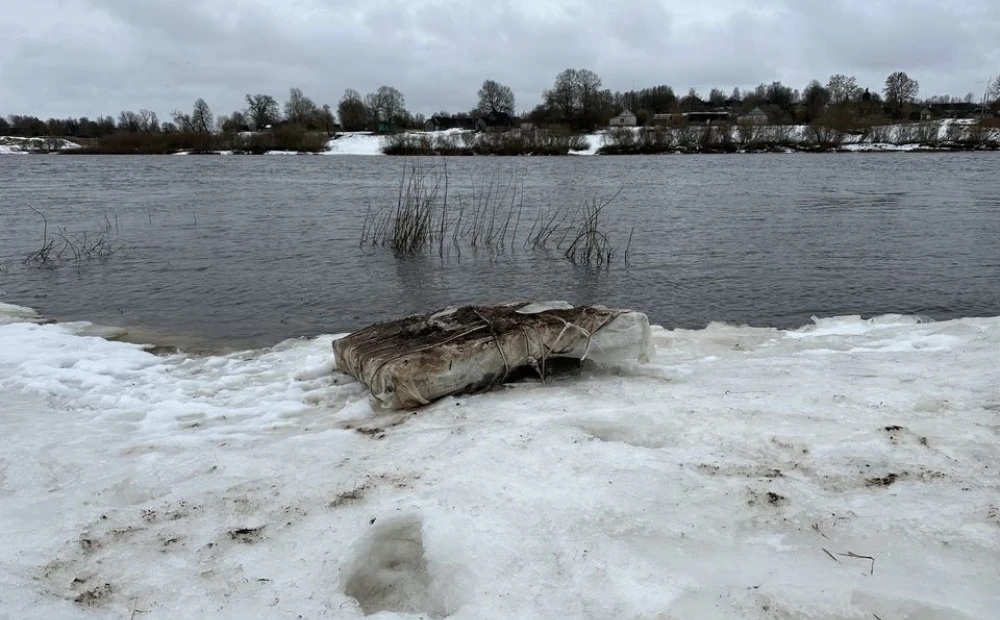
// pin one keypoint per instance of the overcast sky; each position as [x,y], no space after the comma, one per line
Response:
[90,57]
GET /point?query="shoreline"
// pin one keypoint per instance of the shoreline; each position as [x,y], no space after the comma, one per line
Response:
[895,149]
[946,136]
[166,342]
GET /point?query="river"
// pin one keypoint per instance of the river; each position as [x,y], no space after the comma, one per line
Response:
[235,251]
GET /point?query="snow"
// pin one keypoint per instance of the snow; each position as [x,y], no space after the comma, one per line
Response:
[878,147]
[357,143]
[10,145]
[594,142]
[731,477]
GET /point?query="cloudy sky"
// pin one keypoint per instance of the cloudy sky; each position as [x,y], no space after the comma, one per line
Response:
[90,57]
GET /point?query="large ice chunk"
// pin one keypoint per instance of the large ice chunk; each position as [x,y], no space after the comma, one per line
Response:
[415,360]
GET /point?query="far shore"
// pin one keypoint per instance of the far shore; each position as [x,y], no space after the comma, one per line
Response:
[925,137]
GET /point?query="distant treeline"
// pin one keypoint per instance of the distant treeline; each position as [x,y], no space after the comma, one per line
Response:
[576,101]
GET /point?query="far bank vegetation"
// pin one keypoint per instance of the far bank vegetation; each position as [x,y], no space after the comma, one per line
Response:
[822,116]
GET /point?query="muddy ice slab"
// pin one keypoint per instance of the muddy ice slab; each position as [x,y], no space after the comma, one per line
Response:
[413,361]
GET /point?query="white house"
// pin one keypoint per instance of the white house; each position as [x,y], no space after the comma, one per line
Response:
[625,119]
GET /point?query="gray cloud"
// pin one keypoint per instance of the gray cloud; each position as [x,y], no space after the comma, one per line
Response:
[90,57]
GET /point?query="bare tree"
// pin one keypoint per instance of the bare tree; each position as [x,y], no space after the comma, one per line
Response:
[591,98]
[576,98]
[150,122]
[843,89]
[736,95]
[129,122]
[352,111]
[324,119]
[201,117]
[182,122]
[299,109]
[563,98]
[262,110]
[717,96]
[495,97]
[900,90]
[780,95]
[386,104]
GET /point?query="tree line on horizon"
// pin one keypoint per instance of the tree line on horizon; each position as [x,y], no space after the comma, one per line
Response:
[576,100]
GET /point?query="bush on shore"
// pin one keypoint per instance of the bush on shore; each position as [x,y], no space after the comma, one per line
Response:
[283,138]
[722,138]
[826,134]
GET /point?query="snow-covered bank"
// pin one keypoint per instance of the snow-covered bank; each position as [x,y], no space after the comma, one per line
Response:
[12,145]
[891,138]
[732,477]
[945,135]
[355,144]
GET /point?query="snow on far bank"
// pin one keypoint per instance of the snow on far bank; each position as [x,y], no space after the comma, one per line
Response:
[13,145]
[732,477]
[594,142]
[365,143]
[355,144]
[889,138]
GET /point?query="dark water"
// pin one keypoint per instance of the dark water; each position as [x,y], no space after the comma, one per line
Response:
[251,250]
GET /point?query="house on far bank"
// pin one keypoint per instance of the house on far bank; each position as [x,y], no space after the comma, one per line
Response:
[754,117]
[496,121]
[668,119]
[440,123]
[625,119]
[690,118]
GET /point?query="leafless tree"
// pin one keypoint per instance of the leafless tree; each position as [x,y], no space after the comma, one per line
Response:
[576,98]
[736,95]
[563,97]
[182,121]
[129,122]
[717,96]
[386,104]
[148,121]
[780,95]
[201,117]
[495,97]
[299,109]
[352,111]
[262,110]
[900,90]
[843,89]
[324,119]
[590,97]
